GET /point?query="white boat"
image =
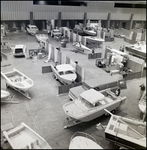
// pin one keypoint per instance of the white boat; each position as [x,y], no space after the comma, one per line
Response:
[91,104]
[91,39]
[81,140]
[4,94]
[41,36]
[31,29]
[140,46]
[56,32]
[89,31]
[65,73]
[80,47]
[142,103]
[17,80]
[23,137]
[127,132]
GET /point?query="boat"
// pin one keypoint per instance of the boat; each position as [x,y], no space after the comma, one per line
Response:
[32,29]
[4,94]
[80,47]
[89,31]
[92,39]
[127,132]
[41,36]
[23,137]
[91,104]
[81,140]
[138,49]
[65,73]
[55,32]
[18,80]
[142,103]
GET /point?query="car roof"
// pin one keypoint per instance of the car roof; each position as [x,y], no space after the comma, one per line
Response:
[92,96]
[101,81]
[19,46]
[64,67]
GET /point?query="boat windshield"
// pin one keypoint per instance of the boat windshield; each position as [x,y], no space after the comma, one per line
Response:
[85,102]
[69,72]
[33,28]
[61,73]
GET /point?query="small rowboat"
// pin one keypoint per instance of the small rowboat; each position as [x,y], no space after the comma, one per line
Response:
[23,137]
[81,140]
[17,80]
[4,94]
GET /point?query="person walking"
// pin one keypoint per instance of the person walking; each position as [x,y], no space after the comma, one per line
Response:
[142,89]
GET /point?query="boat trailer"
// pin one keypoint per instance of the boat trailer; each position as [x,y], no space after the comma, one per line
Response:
[24,93]
[71,122]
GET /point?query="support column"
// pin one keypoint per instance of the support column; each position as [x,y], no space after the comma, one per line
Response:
[43,25]
[130,22]
[31,17]
[108,21]
[84,20]
[59,19]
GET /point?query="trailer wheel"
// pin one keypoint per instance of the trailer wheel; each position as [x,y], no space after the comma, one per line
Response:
[117,92]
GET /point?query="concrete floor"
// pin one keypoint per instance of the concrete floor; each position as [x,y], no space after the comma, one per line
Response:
[44,112]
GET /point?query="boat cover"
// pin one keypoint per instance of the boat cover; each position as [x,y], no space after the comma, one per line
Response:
[92,96]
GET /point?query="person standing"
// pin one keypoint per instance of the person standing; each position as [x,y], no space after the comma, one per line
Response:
[142,89]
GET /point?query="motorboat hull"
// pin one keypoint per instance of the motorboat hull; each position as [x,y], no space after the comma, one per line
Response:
[32,32]
[4,94]
[127,132]
[90,32]
[23,137]
[82,140]
[73,110]
[62,79]
[81,47]
[94,40]
[18,80]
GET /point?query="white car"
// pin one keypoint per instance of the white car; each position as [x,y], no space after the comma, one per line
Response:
[19,50]
[65,73]
[32,29]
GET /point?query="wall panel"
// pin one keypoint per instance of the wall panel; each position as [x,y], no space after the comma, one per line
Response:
[95,10]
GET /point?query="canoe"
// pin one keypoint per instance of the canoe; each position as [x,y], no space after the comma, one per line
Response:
[23,137]
[18,80]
